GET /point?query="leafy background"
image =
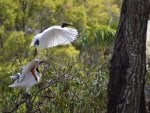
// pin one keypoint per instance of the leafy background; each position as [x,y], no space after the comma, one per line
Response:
[75,76]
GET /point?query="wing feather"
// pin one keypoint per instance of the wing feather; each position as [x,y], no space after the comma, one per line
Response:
[56,35]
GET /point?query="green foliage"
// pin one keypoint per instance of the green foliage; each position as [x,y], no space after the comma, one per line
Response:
[75,75]
[101,35]
[67,53]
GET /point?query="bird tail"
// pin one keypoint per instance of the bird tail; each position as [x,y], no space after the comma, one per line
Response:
[15,77]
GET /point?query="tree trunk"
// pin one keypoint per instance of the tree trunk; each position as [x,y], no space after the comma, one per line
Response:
[128,63]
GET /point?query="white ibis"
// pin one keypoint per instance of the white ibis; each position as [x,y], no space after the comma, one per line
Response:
[55,35]
[29,77]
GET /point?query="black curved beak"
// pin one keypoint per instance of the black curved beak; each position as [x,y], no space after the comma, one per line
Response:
[41,62]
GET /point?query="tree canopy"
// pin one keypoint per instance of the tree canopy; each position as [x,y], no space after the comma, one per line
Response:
[79,70]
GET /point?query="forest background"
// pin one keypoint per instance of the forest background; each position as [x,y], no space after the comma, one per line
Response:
[75,76]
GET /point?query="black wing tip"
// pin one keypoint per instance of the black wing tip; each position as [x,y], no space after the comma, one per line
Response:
[37,42]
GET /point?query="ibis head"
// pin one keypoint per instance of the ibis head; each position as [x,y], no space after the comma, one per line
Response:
[65,24]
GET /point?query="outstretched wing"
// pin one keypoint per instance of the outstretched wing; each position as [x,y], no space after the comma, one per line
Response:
[56,35]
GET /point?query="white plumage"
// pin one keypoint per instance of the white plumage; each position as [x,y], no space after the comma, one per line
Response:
[29,76]
[55,35]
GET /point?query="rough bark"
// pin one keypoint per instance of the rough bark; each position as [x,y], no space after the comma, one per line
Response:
[128,63]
